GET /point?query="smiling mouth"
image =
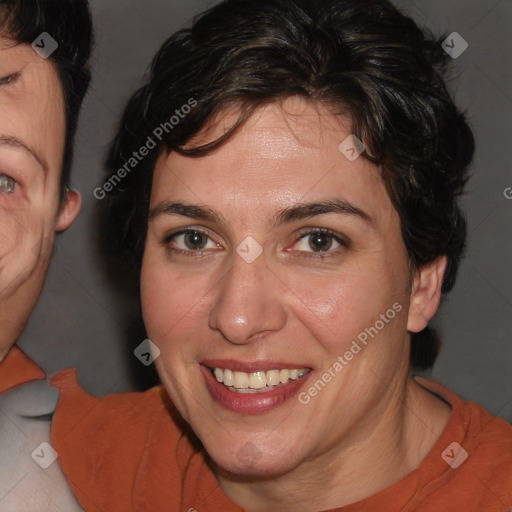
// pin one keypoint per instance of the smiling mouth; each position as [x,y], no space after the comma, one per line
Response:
[257,382]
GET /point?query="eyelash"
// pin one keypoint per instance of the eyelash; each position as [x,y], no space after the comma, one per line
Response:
[303,234]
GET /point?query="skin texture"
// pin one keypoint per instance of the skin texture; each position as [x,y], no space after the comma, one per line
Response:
[32,111]
[372,424]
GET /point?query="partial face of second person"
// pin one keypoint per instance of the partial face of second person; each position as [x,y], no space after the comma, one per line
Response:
[299,305]
[32,131]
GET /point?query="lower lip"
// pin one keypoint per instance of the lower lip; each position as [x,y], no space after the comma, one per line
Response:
[251,403]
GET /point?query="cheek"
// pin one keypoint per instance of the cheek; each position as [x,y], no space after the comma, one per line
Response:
[173,302]
[337,307]
[21,236]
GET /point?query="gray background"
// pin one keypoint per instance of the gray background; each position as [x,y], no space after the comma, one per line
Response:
[83,320]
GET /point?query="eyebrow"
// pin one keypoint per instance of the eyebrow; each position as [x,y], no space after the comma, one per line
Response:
[14,143]
[185,210]
[303,211]
[300,211]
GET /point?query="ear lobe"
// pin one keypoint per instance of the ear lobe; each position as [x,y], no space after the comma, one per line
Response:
[69,212]
[426,294]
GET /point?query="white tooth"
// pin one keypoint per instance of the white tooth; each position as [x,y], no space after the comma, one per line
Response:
[228,377]
[284,375]
[273,378]
[257,380]
[240,380]
[294,374]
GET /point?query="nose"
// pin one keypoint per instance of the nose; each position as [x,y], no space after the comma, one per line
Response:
[247,304]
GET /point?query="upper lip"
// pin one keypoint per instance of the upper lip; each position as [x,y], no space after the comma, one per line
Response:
[252,366]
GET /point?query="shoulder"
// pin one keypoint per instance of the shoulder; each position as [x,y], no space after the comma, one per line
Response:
[490,440]
[487,437]
[102,441]
[484,453]
[485,458]
[470,467]
[79,414]
[478,427]
[30,476]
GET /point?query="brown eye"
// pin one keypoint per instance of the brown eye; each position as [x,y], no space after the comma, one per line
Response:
[195,240]
[7,185]
[320,242]
[190,242]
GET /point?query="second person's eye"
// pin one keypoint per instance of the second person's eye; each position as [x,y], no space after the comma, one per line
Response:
[7,184]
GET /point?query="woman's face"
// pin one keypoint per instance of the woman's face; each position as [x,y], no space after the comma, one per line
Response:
[276,253]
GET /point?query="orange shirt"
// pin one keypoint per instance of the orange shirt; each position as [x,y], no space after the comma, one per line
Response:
[17,368]
[133,452]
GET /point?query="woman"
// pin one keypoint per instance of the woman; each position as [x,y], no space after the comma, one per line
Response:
[292,210]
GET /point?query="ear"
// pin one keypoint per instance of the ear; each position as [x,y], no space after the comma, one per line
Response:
[69,211]
[426,294]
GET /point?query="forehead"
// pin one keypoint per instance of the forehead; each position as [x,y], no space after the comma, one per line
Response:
[32,107]
[285,153]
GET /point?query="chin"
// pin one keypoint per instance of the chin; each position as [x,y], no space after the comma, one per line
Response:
[236,470]
[249,460]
